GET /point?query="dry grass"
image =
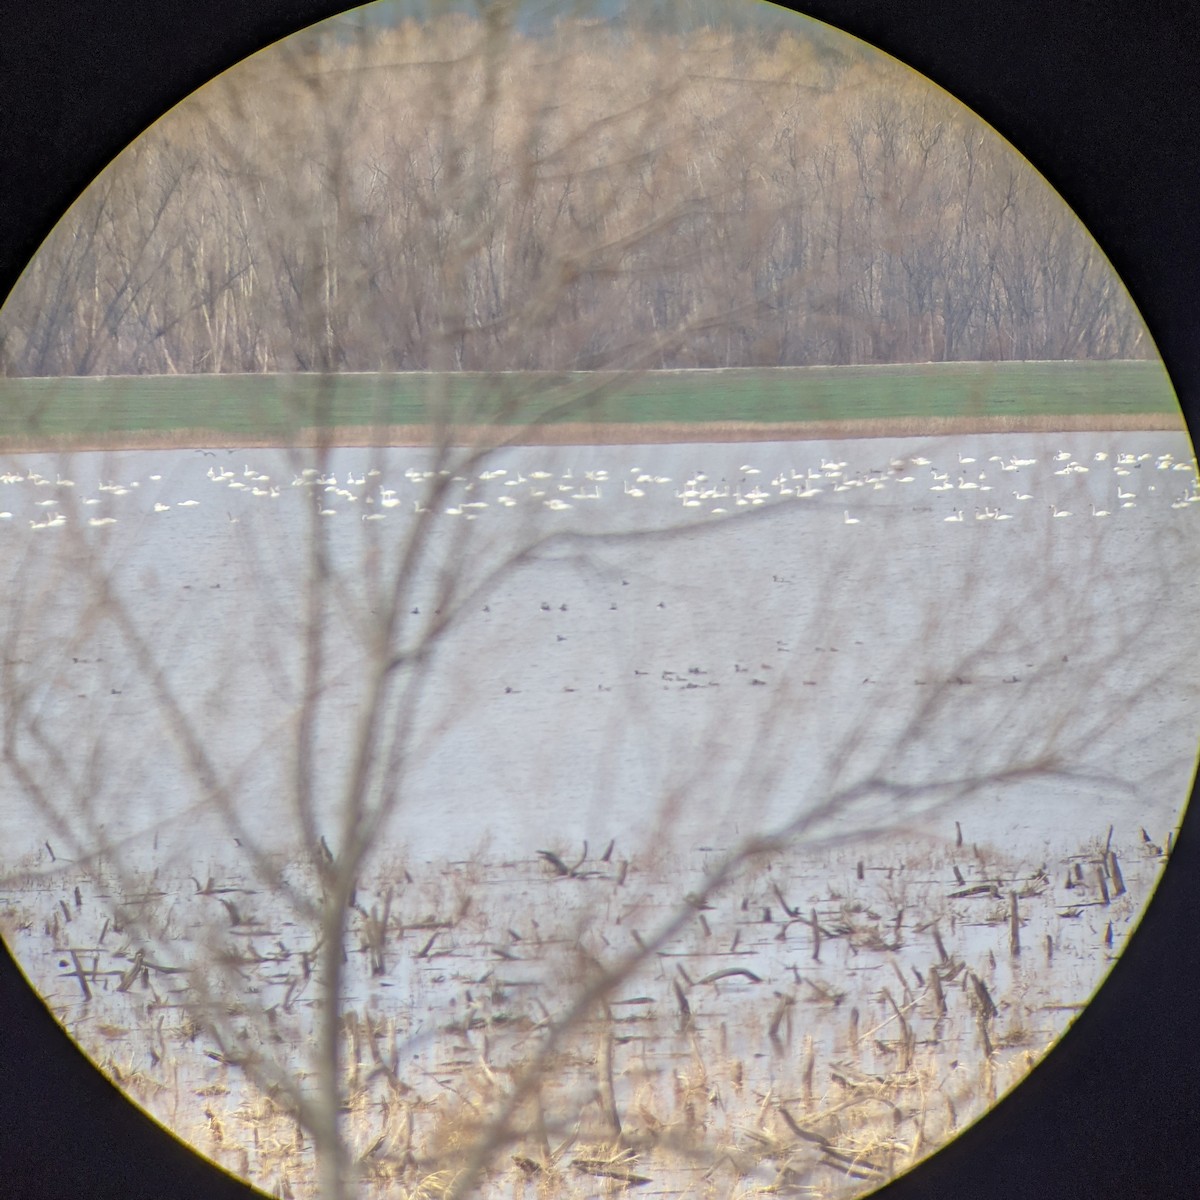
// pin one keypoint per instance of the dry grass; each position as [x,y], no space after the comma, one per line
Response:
[731,1062]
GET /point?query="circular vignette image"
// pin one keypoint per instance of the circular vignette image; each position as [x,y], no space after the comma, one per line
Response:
[596,602]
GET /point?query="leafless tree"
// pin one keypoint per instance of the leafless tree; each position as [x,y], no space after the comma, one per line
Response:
[295,725]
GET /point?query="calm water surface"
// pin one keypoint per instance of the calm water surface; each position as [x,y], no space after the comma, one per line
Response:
[714,640]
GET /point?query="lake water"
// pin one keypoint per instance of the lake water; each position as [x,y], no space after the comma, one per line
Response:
[716,643]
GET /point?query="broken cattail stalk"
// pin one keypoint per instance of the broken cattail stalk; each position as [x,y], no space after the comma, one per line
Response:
[807,1134]
[908,996]
[383,926]
[782,1009]
[958,839]
[988,1048]
[859,871]
[935,986]
[907,1040]
[1103,885]
[79,974]
[1108,936]
[685,1009]
[727,973]
[937,941]
[608,1096]
[986,1004]
[854,1031]
[816,928]
[128,978]
[1014,926]
[787,908]
[806,1078]
[1049,948]
[1114,871]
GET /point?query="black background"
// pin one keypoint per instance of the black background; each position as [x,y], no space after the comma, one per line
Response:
[1101,97]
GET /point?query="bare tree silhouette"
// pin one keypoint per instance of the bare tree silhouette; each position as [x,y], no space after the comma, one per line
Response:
[292,745]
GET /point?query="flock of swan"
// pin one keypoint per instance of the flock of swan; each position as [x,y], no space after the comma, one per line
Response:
[994,489]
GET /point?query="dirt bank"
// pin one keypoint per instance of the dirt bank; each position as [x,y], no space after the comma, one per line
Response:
[601,434]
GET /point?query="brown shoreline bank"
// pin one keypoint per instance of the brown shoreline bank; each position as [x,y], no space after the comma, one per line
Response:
[603,434]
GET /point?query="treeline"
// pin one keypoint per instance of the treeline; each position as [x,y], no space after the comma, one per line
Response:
[455,194]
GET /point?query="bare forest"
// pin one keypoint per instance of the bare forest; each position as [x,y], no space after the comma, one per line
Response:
[587,196]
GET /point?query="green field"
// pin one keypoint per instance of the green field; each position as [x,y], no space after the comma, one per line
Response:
[254,407]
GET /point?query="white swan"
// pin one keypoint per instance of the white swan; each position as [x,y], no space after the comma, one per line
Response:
[847,519]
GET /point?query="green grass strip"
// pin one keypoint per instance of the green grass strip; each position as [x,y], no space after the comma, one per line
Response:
[254,406]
